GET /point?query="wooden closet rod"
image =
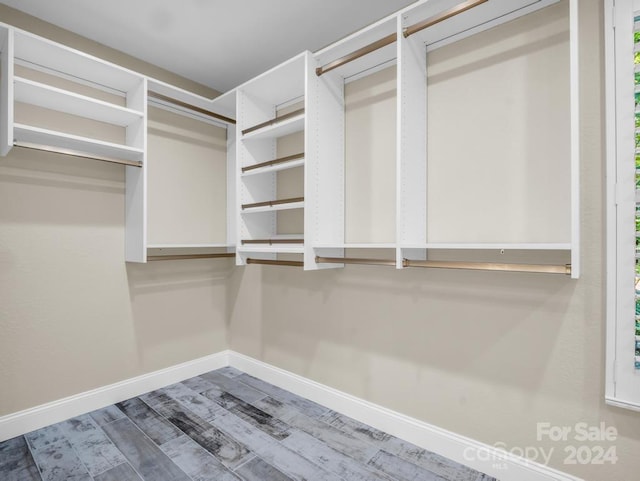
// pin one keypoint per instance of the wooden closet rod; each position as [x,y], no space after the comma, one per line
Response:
[75,153]
[355,260]
[269,163]
[442,16]
[189,256]
[275,120]
[490,266]
[179,103]
[389,39]
[271,203]
[269,262]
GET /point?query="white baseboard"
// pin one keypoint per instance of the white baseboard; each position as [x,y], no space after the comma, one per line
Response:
[40,416]
[482,457]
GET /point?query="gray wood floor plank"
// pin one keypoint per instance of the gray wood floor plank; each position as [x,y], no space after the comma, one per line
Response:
[16,462]
[45,437]
[194,460]
[254,416]
[409,452]
[310,408]
[200,385]
[401,469]
[228,371]
[59,462]
[272,451]
[332,460]
[196,403]
[433,462]
[337,439]
[124,472]
[259,470]
[143,455]
[356,428]
[107,415]
[149,421]
[233,386]
[92,446]
[227,450]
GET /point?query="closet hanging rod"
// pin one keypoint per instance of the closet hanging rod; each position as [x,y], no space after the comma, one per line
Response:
[273,121]
[272,241]
[490,266]
[269,262]
[179,103]
[355,260]
[75,153]
[361,52]
[389,39]
[271,203]
[270,163]
[190,256]
[442,16]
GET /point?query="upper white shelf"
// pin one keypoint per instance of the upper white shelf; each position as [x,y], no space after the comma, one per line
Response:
[61,140]
[362,245]
[190,246]
[273,208]
[39,52]
[42,95]
[490,246]
[280,84]
[277,129]
[474,20]
[274,168]
[276,249]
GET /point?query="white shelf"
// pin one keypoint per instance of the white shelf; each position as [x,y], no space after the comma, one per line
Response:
[279,249]
[465,24]
[38,52]
[356,246]
[278,129]
[51,138]
[491,246]
[189,246]
[273,208]
[36,93]
[275,168]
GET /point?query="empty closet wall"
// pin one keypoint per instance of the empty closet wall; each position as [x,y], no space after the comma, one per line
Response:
[73,316]
[487,355]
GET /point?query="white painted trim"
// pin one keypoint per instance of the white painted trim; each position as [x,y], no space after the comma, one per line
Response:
[619,403]
[35,418]
[425,435]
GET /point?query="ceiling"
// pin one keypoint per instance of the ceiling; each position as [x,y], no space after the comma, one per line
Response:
[217,43]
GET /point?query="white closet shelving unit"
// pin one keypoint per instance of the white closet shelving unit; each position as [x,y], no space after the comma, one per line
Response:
[197,232]
[259,127]
[310,85]
[78,71]
[409,53]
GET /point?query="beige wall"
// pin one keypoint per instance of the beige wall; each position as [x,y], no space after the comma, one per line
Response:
[486,355]
[73,315]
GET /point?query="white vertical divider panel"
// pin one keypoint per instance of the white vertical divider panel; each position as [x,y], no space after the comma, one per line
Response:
[324,165]
[252,111]
[411,145]
[136,180]
[231,188]
[6,90]
[574,46]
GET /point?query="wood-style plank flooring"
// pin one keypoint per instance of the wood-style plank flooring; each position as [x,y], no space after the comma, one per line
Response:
[225,426]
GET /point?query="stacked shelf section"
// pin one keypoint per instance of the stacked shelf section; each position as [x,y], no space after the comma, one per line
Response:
[57,99]
[271,115]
